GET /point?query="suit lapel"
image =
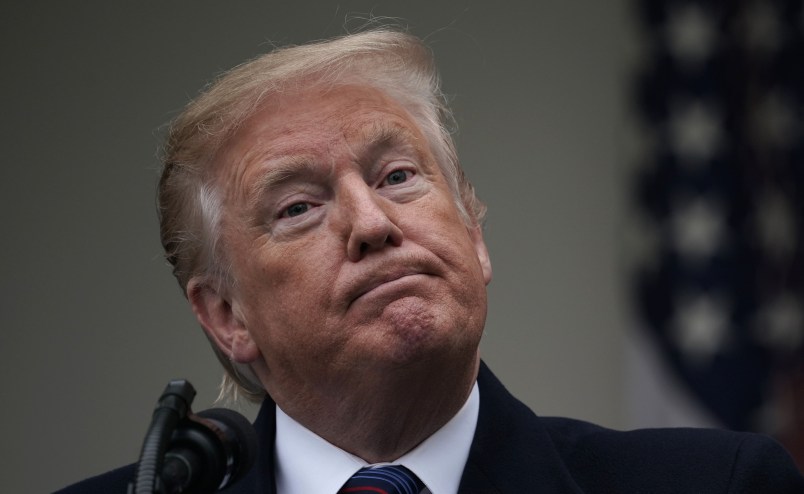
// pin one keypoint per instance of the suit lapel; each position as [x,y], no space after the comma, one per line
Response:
[511,452]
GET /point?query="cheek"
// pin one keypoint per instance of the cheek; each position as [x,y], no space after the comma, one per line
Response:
[281,313]
[446,231]
[286,286]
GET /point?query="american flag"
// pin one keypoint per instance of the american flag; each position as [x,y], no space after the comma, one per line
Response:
[721,96]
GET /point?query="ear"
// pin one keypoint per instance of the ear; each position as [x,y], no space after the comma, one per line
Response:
[476,234]
[224,327]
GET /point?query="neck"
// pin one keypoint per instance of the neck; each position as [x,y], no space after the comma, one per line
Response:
[382,419]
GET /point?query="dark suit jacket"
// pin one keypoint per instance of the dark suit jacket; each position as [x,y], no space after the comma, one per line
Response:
[516,452]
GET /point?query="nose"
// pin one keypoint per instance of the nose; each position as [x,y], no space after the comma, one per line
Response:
[368,221]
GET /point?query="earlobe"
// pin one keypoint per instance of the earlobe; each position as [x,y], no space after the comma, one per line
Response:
[224,327]
[482,252]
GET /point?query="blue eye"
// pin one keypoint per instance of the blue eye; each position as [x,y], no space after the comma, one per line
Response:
[396,177]
[296,209]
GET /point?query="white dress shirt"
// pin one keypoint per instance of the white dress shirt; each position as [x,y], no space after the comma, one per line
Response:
[306,463]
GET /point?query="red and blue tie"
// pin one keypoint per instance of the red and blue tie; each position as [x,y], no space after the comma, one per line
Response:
[389,479]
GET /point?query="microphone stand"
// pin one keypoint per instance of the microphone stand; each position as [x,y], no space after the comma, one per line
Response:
[172,408]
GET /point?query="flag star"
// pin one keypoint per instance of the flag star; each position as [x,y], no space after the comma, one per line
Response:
[775,224]
[781,324]
[775,121]
[697,230]
[762,27]
[690,34]
[696,134]
[701,327]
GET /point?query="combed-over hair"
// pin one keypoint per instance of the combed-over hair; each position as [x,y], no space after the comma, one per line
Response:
[188,200]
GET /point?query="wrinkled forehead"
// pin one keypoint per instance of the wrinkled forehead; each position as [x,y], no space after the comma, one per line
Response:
[306,125]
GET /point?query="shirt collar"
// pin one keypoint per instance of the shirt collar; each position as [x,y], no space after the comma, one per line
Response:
[305,462]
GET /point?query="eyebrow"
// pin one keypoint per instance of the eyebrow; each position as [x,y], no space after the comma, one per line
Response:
[283,170]
[378,139]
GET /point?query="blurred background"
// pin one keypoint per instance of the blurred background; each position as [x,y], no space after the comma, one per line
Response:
[642,164]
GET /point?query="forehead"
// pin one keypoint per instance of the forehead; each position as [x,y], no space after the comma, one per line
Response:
[313,122]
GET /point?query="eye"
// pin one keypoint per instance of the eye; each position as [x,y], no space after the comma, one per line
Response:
[296,209]
[397,177]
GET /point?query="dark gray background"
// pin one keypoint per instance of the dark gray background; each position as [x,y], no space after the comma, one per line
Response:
[93,324]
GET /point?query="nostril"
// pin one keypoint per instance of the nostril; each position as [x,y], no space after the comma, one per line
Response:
[364,247]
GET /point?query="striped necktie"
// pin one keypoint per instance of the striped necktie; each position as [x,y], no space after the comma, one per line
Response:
[389,479]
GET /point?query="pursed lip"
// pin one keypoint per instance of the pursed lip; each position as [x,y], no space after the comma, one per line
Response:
[376,280]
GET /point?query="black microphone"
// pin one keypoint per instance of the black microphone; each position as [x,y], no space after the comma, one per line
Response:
[208,452]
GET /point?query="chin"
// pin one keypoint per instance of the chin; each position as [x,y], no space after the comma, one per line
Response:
[418,332]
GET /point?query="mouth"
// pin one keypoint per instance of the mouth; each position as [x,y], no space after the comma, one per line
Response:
[388,282]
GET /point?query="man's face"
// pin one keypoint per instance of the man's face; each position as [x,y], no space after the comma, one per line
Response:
[349,256]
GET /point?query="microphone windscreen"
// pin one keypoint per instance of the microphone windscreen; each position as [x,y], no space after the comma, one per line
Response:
[239,437]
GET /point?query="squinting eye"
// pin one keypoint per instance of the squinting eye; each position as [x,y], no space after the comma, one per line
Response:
[296,209]
[396,177]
